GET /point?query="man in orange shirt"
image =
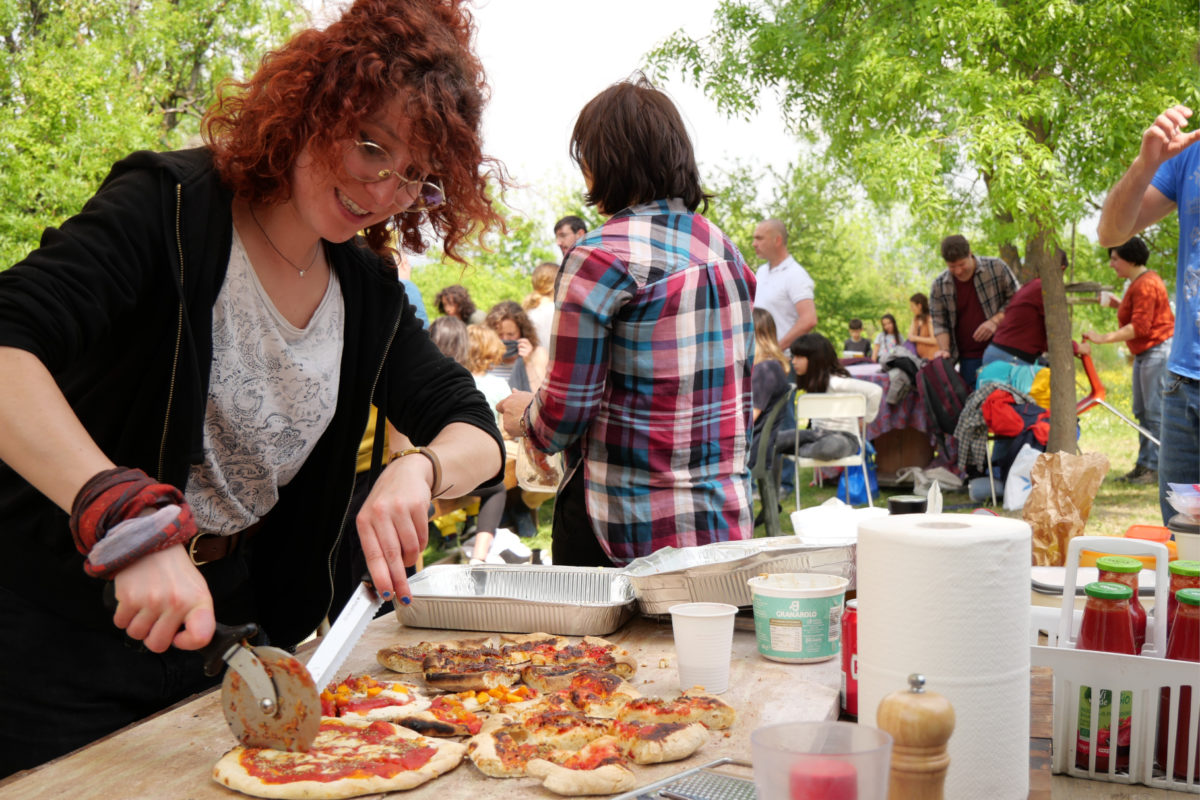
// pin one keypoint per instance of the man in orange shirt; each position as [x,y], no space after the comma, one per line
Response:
[1147,324]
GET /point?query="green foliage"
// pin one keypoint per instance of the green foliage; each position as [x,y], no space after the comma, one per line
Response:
[83,84]
[1008,118]
[863,265]
[499,265]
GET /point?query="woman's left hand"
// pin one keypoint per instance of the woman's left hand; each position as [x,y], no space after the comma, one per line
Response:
[393,524]
[524,348]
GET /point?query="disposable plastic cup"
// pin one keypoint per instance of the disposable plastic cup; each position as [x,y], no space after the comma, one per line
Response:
[820,761]
[703,644]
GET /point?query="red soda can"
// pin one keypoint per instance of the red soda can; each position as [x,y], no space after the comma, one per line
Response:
[850,659]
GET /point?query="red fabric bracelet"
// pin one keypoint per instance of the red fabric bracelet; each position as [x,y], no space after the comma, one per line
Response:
[115,495]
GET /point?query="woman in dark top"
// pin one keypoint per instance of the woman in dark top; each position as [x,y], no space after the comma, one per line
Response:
[768,379]
[222,319]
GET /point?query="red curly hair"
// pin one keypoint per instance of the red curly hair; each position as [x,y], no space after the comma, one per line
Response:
[318,89]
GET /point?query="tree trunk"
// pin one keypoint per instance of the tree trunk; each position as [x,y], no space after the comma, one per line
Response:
[1063,419]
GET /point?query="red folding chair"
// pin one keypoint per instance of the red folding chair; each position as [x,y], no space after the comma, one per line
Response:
[1097,393]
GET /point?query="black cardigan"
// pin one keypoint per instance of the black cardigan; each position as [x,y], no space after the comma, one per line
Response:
[117,303]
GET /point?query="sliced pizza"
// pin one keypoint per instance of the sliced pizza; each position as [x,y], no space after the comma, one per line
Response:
[503,750]
[691,706]
[445,716]
[660,742]
[348,758]
[410,659]
[477,670]
[599,767]
[591,652]
[364,697]
[598,694]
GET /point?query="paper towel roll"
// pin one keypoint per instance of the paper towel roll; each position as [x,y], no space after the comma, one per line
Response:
[947,595]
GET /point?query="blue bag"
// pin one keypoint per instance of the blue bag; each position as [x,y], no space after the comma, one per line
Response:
[853,477]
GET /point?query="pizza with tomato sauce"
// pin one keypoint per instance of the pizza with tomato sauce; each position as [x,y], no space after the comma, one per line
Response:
[348,758]
[364,697]
[575,754]
[483,664]
[691,706]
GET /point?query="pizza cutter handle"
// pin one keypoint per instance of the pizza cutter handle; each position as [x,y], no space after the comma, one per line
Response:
[225,637]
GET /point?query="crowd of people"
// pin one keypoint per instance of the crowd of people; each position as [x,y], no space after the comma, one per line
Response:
[183,392]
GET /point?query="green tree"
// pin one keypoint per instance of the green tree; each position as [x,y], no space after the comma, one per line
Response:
[498,265]
[83,84]
[1008,118]
[854,259]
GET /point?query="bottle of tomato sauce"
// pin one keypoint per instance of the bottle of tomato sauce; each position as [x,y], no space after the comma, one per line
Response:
[1108,627]
[1184,575]
[1122,569]
[1184,645]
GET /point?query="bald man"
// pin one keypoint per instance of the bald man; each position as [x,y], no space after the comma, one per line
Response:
[784,288]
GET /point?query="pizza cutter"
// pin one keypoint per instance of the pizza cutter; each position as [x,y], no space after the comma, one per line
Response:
[268,697]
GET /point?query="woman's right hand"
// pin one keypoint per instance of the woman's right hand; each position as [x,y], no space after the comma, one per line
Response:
[163,600]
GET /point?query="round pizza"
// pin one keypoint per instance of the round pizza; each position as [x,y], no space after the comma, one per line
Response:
[349,758]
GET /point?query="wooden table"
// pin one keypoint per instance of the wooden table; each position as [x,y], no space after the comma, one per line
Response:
[171,754]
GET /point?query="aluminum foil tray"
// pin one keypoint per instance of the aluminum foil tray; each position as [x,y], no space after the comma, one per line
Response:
[569,601]
[717,573]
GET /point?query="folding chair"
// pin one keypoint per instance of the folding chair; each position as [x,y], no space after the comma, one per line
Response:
[766,471]
[814,405]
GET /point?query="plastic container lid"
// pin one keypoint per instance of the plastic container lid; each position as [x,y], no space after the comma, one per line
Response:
[1109,591]
[1122,564]
[1154,533]
[1189,596]
[1190,569]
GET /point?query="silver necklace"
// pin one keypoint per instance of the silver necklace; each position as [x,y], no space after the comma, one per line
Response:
[292,264]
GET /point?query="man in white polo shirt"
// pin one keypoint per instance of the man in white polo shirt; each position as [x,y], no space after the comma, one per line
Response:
[785,291]
[784,287]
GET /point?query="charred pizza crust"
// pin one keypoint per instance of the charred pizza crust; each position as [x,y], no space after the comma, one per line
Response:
[660,742]
[712,712]
[347,759]
[600,767]
[410,659]
[445,716]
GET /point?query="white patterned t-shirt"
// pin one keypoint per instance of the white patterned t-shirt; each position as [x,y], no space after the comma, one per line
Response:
[272,393]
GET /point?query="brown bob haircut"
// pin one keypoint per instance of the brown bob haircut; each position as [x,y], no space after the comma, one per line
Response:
[317,90]
[632,141]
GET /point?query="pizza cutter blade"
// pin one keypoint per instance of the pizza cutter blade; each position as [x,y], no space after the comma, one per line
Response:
[269,699]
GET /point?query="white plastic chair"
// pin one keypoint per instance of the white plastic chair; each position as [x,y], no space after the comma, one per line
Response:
[815,405]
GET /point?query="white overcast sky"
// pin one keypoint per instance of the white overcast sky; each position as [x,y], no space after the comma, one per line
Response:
[546,58]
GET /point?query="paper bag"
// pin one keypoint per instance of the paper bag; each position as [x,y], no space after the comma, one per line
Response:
[1064,486]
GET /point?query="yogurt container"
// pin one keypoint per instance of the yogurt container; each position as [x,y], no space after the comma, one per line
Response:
[798,615]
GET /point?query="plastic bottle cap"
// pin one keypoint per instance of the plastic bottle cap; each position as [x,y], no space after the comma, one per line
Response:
[1110,591]
[1189,569]
[1189,597]
[1121,564]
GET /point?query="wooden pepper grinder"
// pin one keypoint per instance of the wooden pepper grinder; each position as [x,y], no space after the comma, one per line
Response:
[920,723]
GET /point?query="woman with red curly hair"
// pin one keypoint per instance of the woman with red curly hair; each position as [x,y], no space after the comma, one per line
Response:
[222,319]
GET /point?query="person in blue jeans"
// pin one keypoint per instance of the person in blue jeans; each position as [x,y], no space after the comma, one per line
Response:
[1165,177]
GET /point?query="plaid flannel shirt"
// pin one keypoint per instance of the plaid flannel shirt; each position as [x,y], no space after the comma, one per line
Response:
[994,286]
[648,388]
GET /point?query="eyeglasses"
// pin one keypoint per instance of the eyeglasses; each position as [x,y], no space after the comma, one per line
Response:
[370,163]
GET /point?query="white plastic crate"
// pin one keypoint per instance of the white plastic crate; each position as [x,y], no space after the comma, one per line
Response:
[1143,675]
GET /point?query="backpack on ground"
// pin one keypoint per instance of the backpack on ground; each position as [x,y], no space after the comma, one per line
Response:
[944,393]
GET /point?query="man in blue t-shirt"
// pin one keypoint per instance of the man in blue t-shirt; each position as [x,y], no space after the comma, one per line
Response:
[1166,176]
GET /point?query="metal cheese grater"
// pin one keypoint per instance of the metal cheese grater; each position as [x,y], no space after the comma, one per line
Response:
[698,783]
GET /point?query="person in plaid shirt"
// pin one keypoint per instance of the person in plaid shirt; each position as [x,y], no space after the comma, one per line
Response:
[648,388]
[967,304]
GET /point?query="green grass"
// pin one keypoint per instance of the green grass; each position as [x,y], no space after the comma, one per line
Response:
[1115,507]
